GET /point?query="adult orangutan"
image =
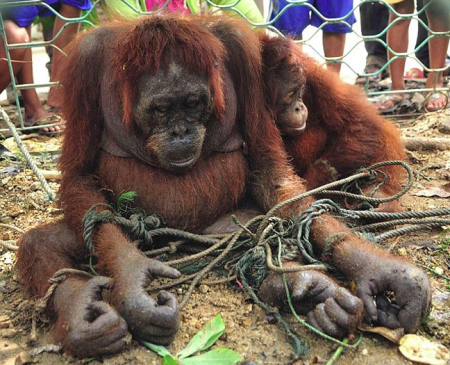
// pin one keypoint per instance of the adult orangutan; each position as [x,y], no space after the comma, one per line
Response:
[328,126]
[162,106]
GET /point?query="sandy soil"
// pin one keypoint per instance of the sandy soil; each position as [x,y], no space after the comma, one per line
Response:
[249,331]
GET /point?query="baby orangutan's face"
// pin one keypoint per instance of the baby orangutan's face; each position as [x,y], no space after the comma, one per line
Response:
[291,112]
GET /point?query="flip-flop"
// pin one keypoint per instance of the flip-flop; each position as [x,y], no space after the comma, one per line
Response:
[396,99]
[51,119]
[361,80]
[434,96]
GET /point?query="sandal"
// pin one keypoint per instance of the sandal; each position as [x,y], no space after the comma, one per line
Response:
[432,98]
[53,120]
[369,69]
[387,104]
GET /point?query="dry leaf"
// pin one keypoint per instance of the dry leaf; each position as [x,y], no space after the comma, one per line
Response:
[441,192]
[420,349]
[392,335]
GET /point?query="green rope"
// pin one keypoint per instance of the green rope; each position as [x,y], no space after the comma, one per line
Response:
[246,268]
[365,173]
[140,228]
[304,323]
[247,252]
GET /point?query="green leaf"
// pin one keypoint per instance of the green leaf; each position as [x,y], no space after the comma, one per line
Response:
[160,350]
[124,199]
[169,360]
[220,356]
[204,338]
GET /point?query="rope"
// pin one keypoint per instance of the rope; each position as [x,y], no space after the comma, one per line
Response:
[141,228]
[403,231]
[247,253]
[301,321]
[365,173]
[374,226]
[361,214]
[57,278]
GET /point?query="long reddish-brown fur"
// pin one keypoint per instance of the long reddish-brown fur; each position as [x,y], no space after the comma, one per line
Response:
[215,185]
[342,127]
[273,179]
[191,200]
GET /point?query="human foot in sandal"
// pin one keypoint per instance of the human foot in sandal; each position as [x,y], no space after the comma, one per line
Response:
[388,103]
[436,101]
[42,117]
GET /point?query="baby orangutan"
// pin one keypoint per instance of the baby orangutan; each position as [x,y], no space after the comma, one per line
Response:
[329,128]
[330,131]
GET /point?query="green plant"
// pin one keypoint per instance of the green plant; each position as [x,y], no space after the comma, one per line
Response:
[124,200]
[203,340]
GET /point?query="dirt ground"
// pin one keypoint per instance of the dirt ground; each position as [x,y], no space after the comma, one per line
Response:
[23,204]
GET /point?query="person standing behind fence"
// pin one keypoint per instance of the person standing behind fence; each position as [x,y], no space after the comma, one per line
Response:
[374,20]
[35,113]
[24,16]
[438,15]
[295,19]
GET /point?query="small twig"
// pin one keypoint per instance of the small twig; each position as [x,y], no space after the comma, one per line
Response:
[296,268]
[47,348]
[51,174]
[394,244]
[10,245]
[15,61]
[8,226]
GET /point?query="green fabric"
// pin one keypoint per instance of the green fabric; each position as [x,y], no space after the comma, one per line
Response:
[118,7]
[246,7]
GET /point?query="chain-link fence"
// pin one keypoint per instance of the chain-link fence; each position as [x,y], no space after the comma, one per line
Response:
[262,13]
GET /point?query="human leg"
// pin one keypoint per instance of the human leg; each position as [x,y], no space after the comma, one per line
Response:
[438,14]
[333,46]
[14,34]
[374,19]
[422,54]
[397,39]
[334,33]
[293,20]
[68,11]
[23,69]
[35,113]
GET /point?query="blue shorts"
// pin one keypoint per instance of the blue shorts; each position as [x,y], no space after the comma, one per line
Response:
[23,16]
[295,19]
